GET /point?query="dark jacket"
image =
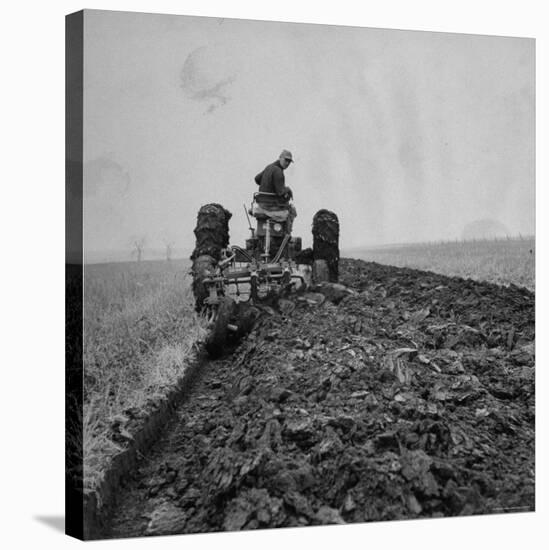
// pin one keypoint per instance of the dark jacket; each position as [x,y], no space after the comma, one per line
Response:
[271,180]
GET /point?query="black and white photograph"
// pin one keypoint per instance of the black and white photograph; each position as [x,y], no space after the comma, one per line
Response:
[308,274]
[301,280]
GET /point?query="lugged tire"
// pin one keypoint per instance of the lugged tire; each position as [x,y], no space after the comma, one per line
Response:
[211,231]
[326,241]
[212,236]
[217,338]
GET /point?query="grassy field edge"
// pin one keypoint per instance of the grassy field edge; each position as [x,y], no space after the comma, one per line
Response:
[140,330]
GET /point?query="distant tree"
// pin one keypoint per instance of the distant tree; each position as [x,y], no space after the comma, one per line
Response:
[138,247]
[168,239]
[169,250]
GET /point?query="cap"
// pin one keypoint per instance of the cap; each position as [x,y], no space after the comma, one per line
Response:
[286,155]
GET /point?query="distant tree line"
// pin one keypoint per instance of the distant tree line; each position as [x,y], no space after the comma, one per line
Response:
[137,244]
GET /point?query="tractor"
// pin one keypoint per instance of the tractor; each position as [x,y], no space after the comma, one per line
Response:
[231,283]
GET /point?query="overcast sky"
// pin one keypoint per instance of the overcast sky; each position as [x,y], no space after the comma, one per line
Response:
[407,136]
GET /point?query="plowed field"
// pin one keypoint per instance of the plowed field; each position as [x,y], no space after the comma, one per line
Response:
[409,395]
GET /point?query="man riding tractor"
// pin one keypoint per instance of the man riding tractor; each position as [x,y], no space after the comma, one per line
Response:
[273,193]
[229,280]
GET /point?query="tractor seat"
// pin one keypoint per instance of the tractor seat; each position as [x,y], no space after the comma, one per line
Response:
[264,212]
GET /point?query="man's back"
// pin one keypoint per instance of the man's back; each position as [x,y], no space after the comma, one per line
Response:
[271,179]
[273,193]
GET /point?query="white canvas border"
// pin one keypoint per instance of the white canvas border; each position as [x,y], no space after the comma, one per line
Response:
[33,229]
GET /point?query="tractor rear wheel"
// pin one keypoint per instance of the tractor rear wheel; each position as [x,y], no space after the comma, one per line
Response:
[212,236]
[326,242]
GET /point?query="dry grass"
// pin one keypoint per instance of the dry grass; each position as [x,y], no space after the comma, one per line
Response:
[139,330]
[498,261]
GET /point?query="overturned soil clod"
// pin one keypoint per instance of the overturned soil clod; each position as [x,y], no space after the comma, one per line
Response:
[396,394]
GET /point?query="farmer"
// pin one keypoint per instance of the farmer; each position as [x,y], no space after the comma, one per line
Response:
[271,180]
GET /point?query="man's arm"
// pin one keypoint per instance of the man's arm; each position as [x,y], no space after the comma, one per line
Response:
[258,177]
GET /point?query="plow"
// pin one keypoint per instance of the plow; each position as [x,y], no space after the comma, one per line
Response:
[231,283]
